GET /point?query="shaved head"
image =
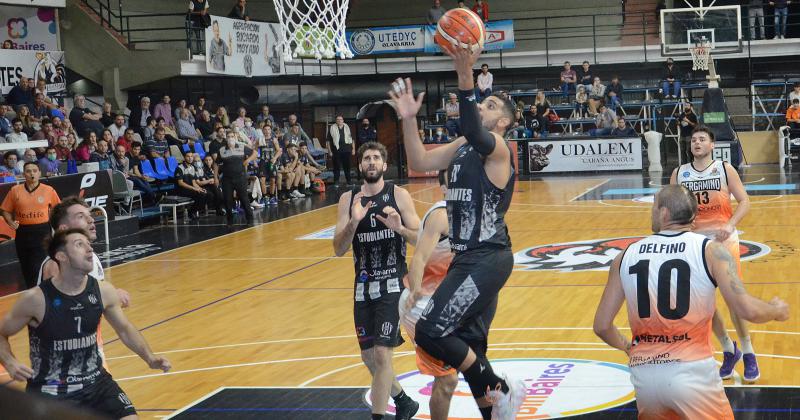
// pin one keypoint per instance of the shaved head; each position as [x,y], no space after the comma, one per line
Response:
[679,202]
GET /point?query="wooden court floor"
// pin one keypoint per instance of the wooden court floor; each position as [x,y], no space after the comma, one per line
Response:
[259,307]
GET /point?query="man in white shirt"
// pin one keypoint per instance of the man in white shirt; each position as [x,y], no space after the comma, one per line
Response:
[485,80]
[118,128]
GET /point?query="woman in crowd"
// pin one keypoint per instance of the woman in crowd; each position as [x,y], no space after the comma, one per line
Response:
[109,138]
[87,147]
[222,117]
[24,114]
[519,129]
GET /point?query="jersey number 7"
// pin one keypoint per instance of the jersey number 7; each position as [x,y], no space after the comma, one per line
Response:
[664,293]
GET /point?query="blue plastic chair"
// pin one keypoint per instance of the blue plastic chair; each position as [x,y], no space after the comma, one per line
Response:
[148,171]
[198,148]
[172,164]
[185,148]
[161,168]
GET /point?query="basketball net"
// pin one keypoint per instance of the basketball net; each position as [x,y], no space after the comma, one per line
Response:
[313,28]
[701,60]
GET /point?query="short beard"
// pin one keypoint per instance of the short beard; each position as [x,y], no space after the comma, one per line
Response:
[372,179]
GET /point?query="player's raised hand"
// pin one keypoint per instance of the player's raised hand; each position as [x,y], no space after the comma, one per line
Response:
[392,220]
[160,362]
[464,59]
[19,372]
[402,93]
[359,211]
[782,307]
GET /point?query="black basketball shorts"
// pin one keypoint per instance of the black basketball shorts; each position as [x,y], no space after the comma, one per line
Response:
[104,397]
[378,321]
[464,304]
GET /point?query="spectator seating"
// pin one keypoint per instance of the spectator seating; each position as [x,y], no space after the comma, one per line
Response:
[125,196]
[161,169]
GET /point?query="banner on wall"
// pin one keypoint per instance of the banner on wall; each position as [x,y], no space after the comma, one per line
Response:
[400,39]
[241,48]
[38,3]
[499,36]
[601,154]
[39,65]
[94,187]
[29,28]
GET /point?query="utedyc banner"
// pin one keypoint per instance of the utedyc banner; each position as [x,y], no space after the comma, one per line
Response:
[400,39]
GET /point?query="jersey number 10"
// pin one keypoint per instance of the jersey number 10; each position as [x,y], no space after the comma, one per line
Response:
[664,293]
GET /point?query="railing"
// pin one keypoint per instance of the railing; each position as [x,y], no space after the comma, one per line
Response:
[112,16]
[548,34]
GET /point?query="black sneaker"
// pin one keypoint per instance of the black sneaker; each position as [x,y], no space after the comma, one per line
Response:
[406,408]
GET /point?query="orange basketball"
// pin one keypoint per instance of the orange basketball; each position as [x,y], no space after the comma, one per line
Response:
[462,27]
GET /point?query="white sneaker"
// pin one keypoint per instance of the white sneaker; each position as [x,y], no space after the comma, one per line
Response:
[256,205]
[297,194]
[506,406]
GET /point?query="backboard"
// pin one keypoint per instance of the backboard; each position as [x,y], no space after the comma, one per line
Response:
[681,28]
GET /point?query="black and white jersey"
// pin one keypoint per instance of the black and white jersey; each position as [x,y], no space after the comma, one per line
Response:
[63,347]
[379,253]
[476,208]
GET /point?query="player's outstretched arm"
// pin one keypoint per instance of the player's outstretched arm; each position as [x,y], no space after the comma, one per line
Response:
[129,335]
[21,314]
[726,274]
[610,304]
[436,225]
[407,107]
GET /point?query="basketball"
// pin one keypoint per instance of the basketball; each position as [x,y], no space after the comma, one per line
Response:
[461,27]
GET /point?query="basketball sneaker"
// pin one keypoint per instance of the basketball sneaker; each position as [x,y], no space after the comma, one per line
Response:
[507,405]
[405,408]
[751,373]
[729,360]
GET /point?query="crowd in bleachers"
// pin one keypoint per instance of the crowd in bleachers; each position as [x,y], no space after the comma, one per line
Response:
[167,149]
[580,98]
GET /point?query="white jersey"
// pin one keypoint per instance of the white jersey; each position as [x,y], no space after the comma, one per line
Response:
[671,298]
[97,269]
[710,187]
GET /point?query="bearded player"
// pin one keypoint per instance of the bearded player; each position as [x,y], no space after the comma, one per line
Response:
[480,185]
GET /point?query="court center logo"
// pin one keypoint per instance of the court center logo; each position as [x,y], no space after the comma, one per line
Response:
[598,254]
[555,388]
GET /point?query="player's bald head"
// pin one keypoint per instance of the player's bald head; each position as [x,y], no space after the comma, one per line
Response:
[680,203]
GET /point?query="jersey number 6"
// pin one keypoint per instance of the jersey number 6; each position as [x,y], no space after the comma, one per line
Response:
[664,294]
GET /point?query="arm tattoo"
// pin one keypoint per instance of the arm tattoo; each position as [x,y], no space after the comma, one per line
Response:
[733,272]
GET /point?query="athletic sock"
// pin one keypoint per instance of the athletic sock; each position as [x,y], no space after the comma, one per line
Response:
[400,396]
[747,345]
[481,377]
[486,412]
[377,416]
[727,344]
